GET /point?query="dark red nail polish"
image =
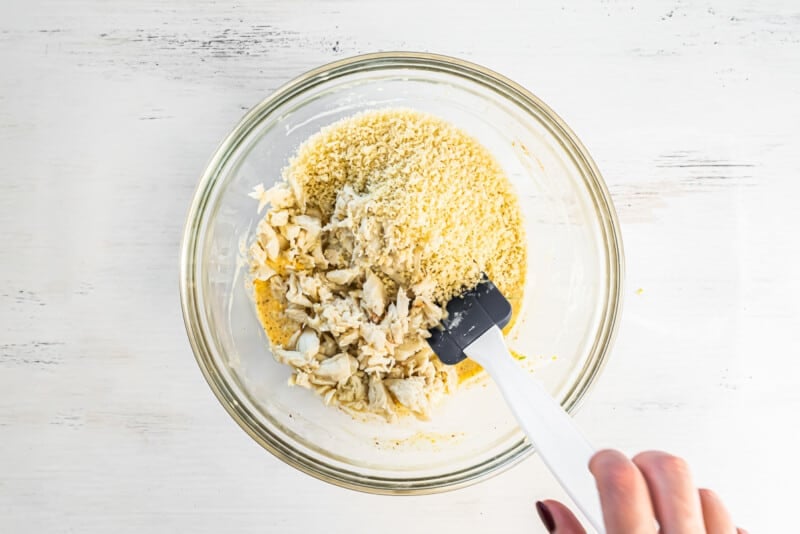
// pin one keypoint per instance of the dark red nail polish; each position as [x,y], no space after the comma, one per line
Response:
[545,516]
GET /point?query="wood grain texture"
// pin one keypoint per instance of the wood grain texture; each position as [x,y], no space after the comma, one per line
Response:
[109,111]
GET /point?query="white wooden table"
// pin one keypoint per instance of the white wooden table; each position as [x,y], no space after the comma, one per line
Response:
[109,112]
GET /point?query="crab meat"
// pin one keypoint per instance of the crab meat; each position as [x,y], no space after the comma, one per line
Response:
[374,296]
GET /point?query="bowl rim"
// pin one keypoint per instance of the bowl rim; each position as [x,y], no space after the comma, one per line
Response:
[509,89]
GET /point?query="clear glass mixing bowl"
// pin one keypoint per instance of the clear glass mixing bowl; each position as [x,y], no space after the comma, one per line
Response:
[567,322]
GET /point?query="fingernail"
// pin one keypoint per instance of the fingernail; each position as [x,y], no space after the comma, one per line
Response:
[545,516]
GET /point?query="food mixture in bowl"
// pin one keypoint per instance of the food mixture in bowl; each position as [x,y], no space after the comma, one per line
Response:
[377,222]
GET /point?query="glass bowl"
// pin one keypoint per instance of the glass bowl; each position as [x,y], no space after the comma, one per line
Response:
[572,296]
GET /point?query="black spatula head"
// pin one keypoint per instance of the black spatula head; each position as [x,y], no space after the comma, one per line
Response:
[469,316]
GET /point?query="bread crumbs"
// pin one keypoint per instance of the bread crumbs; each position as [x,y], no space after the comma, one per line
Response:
[378,221]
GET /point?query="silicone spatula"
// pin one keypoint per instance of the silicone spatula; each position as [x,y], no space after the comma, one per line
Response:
[472,330]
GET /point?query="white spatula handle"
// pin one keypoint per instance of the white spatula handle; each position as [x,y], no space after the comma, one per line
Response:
[549,428]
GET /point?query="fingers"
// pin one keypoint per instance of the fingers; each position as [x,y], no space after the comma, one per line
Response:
[634,494]
[675,499]
[624,495]
[716,517]
[558,518]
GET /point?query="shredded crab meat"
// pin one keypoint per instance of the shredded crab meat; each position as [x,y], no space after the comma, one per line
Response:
[366,234]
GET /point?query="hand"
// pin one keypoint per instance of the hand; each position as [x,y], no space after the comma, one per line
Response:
[634,494]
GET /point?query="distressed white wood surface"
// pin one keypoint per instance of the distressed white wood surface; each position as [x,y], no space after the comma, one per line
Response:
[109,111]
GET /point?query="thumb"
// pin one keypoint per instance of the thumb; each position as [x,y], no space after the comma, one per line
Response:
[558,519]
